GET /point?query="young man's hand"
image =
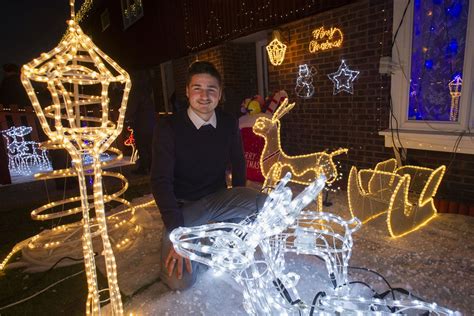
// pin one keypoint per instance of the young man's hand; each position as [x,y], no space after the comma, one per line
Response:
[174,259]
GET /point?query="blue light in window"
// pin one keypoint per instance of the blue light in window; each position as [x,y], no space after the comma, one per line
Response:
[454,10]
[437,1]
[429,64]
[453,47]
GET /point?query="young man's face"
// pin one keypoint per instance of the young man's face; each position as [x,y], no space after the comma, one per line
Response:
[204,93]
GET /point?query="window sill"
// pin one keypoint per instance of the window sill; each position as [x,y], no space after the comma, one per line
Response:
[430,140]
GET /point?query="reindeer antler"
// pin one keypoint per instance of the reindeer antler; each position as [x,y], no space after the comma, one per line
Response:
[282,110]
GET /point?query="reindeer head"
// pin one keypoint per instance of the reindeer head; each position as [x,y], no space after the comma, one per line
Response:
[264,125]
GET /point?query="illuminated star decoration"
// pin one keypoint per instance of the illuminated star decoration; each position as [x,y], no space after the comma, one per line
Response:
[343,79]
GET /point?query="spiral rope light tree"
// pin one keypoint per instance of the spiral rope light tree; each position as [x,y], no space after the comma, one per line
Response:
[77,75]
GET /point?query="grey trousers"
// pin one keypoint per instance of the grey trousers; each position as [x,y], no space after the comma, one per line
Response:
[229,205]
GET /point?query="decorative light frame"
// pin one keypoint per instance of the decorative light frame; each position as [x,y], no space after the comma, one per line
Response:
[274,162]
[282,226]
[405,194]
[130,142]
[22,154]
[325,39]
[348,85]
[76,62]
[455,87]
[276,50]
[304,83]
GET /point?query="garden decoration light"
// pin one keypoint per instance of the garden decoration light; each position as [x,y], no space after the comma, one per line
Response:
[130,142]
[455,86]
[274,162]
[276,50]
[24,155]
[253,253]
[74,72]
[405,194]
[325,39]
[304,83]
[343,79]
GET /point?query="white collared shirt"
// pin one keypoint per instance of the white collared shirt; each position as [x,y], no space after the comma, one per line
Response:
[199,122]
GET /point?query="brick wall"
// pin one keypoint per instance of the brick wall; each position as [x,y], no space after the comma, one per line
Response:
[353,121]
[328,121]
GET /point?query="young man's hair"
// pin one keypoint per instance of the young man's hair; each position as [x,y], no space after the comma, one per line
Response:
[203,67]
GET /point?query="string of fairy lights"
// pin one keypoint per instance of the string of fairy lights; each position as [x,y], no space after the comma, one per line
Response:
[253,252]
[274,162]
[405,194]
[76,62]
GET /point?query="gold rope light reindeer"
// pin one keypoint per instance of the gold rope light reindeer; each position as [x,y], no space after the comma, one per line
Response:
[274,162]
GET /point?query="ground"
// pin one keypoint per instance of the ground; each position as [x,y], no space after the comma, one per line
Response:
[435,263]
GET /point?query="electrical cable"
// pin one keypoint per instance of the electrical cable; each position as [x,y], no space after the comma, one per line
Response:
[376,273]
[41,291]
[315,299]
[400,24]
[36,282]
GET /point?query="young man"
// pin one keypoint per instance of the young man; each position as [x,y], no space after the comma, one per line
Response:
[191,151]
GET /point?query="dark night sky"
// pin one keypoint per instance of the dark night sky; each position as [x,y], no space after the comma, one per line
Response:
[30,27]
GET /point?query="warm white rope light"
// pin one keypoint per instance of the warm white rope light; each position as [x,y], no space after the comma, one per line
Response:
[404,194]
[74,73]
[274,162]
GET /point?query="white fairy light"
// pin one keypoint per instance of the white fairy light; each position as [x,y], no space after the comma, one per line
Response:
[304,83]
[24,155]
[69,70]
[252,252]
[455,87]
[343,79]
[356,305]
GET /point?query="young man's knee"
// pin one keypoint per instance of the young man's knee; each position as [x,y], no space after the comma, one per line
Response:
[176,284]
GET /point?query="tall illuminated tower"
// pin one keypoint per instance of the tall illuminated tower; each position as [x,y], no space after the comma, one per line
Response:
[78,76]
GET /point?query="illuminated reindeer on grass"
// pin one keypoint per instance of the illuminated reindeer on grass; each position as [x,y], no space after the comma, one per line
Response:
[274,162]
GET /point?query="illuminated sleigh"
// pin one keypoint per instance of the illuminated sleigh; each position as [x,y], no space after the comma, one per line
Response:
[405,194]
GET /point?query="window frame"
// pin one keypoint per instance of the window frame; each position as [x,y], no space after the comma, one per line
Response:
[130,20]
[428,135]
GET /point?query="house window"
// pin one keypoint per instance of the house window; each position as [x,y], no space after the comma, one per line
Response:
[432,82]
[105,19]
[10,121]
[132,11]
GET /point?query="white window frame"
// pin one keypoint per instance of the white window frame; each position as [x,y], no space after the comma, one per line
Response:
[262,67]
[428,135]
[105,19]
[129,19]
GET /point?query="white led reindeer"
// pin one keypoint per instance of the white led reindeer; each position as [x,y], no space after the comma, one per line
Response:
[252,252]
[274,162]
[232,247]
